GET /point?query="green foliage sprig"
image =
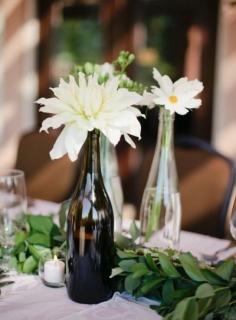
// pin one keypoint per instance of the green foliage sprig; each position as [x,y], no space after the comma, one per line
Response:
[35,237]
[120,65]
[185,288]
[39,236]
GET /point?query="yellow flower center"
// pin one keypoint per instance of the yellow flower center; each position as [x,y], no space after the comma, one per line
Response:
[173,99]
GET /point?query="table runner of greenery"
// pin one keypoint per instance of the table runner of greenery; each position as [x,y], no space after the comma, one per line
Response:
[185,287]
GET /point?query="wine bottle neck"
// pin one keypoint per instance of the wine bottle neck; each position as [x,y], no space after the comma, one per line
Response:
[92,153]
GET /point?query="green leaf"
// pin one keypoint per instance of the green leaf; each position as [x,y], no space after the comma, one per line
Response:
[213,278]
[30,265]
[167,266]
[168,292]
[59,238]
[22,257]
[139,266]
[116,271]
[222,297]
[139,270]
[55,231]
[123,242]
[131,284]
[168,316]
[180,294]
[39,238]
[134,231]
[126,254]
[40,224]
[225,269]
[19,267]
[150,285]
[186,309]
[126,265]
[13,262]
[205,290]
[150,262]
[190,265]
[20,248]
[209,316]
[20,237]
[38,251]
[205,305]
[139,273]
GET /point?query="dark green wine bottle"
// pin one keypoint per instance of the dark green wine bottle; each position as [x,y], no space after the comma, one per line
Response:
[90,235]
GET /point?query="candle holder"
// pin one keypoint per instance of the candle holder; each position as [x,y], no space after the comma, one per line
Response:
[52,271]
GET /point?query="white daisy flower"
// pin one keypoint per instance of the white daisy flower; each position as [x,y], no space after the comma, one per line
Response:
[87,106]
[178,96]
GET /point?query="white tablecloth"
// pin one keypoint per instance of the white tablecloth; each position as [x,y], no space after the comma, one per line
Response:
[29,299]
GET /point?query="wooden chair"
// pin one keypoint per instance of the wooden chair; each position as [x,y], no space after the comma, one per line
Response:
[45,179]
[207,185]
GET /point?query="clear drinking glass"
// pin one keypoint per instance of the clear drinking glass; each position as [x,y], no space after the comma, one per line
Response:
[232,221]
[13,203]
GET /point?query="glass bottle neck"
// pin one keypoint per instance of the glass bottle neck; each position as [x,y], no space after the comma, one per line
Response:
[92,153]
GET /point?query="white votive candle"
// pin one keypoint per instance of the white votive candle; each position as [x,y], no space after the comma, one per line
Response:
[54,271]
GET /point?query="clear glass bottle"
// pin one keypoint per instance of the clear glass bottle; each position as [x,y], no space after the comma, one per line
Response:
[90,224]
[112,181]
[161,206]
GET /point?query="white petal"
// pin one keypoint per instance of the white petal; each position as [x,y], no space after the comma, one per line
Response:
[193,103]
[113,135]
[176,108]
[158,92]
[129,140]
[189,88]
[111,86]
[156,75]
[66,92]
[161,101]
[167,85]
[136,111]
[82,80]
[125,98]
[107,68]
[52,105]
[180,82]
[69,141]
[147,100]
[59,148]
[181,110]
[74,141]
[56,121]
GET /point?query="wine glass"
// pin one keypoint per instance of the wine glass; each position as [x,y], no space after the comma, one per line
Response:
[13,203]
[232,222]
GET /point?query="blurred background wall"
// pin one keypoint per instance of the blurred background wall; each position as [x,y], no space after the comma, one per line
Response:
[224,116]
[19,35]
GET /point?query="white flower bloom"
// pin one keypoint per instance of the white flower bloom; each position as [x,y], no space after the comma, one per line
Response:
[148,100]
[87,106]
[107,68]
[178,96]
